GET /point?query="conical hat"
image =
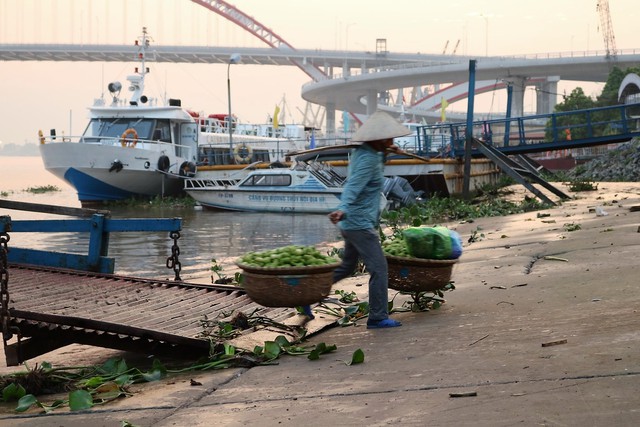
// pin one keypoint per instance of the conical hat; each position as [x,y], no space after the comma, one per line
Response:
[379,125]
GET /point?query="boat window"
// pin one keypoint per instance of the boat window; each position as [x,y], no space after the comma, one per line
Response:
[261,155]
[162,132]
[115,127]
[267,180]
[215,156]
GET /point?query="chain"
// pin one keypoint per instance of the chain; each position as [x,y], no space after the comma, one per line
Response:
[4,286]
[173,261]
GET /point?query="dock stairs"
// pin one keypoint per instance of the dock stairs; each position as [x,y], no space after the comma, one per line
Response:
[521,169]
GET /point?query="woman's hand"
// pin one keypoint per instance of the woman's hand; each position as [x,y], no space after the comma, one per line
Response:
[394,149]
[336,216]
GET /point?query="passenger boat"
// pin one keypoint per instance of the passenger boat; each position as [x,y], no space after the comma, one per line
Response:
[261,145]
[137,148]
[305,187]
[301,188]
[433,176]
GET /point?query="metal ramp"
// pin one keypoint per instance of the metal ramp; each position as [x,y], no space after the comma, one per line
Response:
[523,173]
[52,308]
[49,300]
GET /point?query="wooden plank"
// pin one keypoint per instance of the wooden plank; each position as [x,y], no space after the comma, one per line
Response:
[51,209]
[80,322]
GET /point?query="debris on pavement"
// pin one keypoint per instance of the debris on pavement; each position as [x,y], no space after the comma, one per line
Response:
[464,394]
[552,343]
[555,258]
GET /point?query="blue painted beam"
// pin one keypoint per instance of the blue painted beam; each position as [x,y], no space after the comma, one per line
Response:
[98,226]
[86,225]
[61,260]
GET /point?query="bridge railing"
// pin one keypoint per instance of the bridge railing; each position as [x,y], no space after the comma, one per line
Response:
[538,133]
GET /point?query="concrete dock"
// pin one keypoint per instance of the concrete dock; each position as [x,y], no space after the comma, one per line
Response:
[543,329]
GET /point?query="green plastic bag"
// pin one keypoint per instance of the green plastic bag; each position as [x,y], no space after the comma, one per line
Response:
[428,242]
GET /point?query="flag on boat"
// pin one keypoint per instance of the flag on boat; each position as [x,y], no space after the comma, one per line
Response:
[312,143]
[443,106]
[345,122]
[275,117]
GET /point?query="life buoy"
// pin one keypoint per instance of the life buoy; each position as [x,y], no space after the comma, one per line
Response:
[41,136]
[243,153]
[187,169]
[129,138]
[164,163]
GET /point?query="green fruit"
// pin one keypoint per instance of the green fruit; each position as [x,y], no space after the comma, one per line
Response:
[287,256]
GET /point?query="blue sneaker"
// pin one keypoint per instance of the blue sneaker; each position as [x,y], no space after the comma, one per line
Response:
[386,323]
[307,312]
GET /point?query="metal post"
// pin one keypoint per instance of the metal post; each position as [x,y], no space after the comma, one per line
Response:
[469,130]
[233,59]
[507,125]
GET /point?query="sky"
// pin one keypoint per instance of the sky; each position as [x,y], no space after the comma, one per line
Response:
[44,95]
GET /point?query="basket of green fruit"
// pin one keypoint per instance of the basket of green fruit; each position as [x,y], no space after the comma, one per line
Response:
[410,274]
[290,276]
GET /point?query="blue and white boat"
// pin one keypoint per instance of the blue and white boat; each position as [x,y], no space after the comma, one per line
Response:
[301,188]
[139,148]
[129,148]
[305,187]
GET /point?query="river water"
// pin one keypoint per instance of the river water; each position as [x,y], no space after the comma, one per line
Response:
[205,235]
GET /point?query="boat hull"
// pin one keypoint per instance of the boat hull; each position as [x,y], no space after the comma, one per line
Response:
[93,170]
[437,176]
[266,201]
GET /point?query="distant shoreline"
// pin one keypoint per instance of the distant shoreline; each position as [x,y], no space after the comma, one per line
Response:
[13,150]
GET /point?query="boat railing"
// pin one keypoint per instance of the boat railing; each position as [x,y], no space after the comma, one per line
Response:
[325,174]
[202,184]
[146,144]
[539,133]
[267,130]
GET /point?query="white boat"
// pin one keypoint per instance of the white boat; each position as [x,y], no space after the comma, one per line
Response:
[305,187]
[137,148]
[301,188]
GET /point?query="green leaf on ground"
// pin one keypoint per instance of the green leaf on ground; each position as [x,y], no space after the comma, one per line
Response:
[26,402]
[80,400]
[358,357]
[321,348]
[13,392]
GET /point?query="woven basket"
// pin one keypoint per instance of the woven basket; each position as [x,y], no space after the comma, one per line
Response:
[419,275]
[288,287]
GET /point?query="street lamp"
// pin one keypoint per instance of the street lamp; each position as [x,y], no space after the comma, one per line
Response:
[486,33]
[233,59]
[346,42]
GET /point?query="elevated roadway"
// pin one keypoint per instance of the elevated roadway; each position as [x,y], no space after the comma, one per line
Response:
[328,59]
[366,77]
[359,94]
[354,81]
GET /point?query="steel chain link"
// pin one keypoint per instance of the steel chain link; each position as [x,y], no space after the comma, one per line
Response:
[4,286]
[173,261]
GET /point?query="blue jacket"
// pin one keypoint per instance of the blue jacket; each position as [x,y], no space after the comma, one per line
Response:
[360,200]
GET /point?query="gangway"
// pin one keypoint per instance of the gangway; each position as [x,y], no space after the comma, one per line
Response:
[498,139]
[534,134]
